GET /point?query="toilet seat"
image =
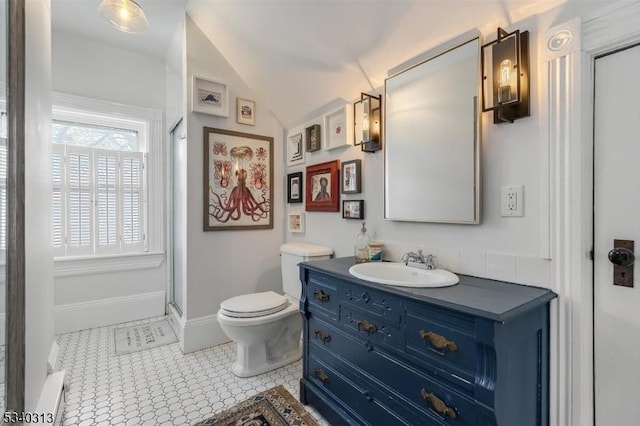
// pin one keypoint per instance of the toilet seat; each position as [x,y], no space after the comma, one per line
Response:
[254,305]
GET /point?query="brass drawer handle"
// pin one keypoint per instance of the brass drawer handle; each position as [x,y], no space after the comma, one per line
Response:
[366,326]
[438,341]
[325,337]
[438,404]
[321,296]
[321,375]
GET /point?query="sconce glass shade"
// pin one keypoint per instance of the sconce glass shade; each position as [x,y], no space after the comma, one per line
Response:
[125,15]
[505,76]
[367,117]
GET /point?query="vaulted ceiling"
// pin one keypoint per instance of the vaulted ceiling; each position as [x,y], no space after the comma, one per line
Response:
[299,56]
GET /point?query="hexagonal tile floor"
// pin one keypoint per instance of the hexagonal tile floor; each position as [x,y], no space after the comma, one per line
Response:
[158,386]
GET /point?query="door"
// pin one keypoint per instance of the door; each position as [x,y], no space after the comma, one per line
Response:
[617,217]
[178,216]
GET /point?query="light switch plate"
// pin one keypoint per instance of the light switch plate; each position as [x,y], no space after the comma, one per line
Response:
[513,201]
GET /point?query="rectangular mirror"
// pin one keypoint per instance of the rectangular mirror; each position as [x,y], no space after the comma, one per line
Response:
[432,143]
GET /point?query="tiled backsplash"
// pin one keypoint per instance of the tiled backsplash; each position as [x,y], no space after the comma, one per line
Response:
[497,266]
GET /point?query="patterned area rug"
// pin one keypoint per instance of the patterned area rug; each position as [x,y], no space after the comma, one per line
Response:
[273,407]
[143,336]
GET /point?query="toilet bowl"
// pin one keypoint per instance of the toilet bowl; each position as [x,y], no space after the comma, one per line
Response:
[267,326]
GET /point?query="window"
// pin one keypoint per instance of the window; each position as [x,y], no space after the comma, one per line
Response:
[98,184]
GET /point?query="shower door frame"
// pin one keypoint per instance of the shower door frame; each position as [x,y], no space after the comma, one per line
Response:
[15,259]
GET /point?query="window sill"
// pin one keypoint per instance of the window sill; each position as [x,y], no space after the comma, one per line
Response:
[84,265]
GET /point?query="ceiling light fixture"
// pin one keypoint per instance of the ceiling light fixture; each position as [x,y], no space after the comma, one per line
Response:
[125,15]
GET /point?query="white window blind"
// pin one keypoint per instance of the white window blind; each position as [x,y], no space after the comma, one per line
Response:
[79,200]
[98,194]
[58,200]
[132,199]
[107,200]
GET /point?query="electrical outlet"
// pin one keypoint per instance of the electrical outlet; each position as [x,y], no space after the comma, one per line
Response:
[513,200]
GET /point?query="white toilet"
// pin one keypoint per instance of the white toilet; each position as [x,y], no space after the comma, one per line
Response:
[267,326]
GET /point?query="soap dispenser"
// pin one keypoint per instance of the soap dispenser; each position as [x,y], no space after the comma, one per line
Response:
[361,249]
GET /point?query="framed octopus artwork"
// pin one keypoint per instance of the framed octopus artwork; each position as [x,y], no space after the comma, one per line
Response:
[238,180]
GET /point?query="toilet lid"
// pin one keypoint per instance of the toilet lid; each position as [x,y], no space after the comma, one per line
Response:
[254,304]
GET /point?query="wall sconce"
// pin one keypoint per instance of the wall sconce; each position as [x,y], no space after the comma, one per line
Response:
[505,76]
[367,121]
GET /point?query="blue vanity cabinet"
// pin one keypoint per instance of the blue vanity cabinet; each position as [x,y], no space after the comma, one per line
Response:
[475,354]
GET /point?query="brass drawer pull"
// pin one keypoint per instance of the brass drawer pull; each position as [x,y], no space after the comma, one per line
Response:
[366,326]
[326,338]
[438,404]
[321,375]
[438,341]
[321,296]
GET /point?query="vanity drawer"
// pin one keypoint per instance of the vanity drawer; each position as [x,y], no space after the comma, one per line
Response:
[436,343]
[328,336]
[429,395]
[322,296]
[371,328]
[359,400]
[378,303]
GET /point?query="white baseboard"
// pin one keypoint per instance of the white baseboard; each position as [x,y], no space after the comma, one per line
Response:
[99,313]
[53,357]
[202,332]
[51,401]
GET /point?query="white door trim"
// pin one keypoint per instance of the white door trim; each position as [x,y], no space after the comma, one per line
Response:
[567,56]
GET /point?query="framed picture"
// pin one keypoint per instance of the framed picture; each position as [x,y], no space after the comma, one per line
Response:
[338,127]
[245,112]
[294,188]
[313,138]
[296,222]
[210,97]
[295,148]
[323,189]
[238,180]
[350,174]
[353,209]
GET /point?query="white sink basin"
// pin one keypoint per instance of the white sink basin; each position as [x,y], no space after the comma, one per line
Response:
[399,274]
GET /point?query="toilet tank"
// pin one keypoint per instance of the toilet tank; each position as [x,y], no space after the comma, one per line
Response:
[291,255]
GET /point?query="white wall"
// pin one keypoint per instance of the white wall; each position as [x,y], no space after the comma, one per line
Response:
[38,260]
[224,263]
[96,71]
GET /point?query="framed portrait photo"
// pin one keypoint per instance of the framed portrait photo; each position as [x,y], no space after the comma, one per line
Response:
[295,148]
[350,177]
[314,139]
[322,188]
[353,209]
[294,188]
[245,112]
[238,180]
[296,222]
[209,96]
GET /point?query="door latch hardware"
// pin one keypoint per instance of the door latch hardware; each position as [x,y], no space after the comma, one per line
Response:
[622,257]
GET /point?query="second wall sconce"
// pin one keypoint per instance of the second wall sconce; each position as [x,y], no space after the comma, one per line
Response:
[505,76]
[367,122]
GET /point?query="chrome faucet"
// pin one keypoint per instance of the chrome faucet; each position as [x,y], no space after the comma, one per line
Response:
[419,259]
